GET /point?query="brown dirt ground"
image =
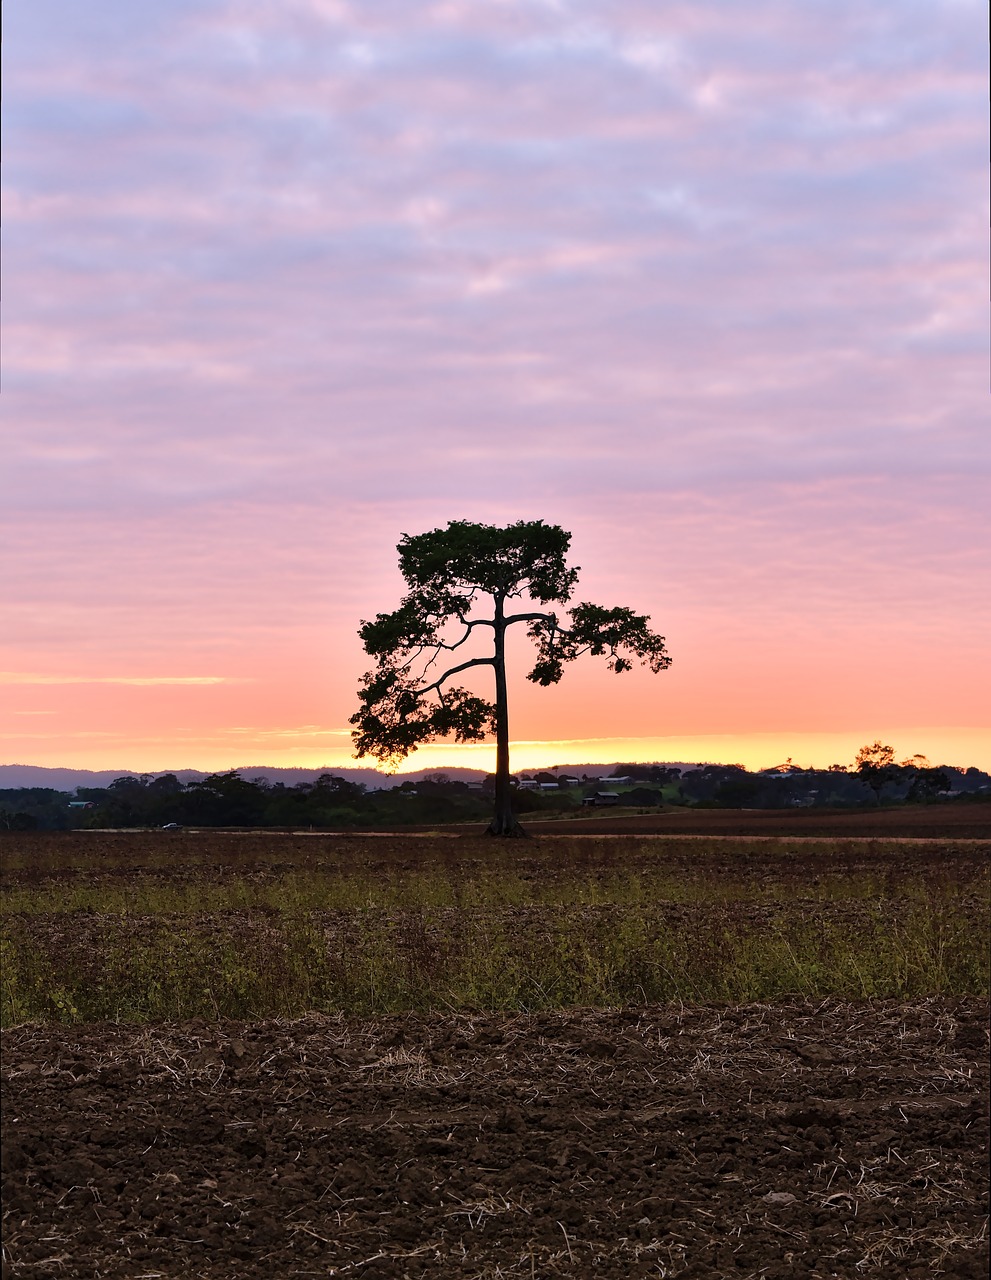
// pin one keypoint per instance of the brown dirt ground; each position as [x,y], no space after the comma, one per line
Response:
[928,822]
[823,1139]
[557,849]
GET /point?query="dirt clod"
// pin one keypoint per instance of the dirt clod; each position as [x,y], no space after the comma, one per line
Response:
[504,1145]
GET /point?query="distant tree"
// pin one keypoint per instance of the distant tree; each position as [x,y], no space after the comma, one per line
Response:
[404,703]
[34,808]
[927,784]
[875,755]
[710,783]
[441,785]
[636,771]
[19,821]
[919,781]
[642,797]
[738,792]
[875,764]
[653,772]
[330,789]
[165,785]
[226,799]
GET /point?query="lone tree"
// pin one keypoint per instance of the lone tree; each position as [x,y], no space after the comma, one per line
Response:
[406,701]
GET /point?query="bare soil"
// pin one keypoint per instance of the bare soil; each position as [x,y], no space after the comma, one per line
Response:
[927,822]
[796,1140]
[557,849]
[825,1139]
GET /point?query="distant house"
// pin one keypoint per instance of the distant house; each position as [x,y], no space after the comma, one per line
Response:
[528,784]
[614,782]
[566,780]
[549,786]
[601,800]
[80,804]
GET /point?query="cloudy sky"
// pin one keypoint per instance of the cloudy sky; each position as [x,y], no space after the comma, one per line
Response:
[703,282]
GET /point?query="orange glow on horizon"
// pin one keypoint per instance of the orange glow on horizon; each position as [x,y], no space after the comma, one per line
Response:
[309,747]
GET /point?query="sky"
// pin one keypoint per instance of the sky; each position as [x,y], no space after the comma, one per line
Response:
[705,283]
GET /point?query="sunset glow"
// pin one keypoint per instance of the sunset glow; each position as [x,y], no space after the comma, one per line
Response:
[705,286]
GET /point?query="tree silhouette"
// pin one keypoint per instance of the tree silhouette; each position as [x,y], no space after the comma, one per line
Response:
[406,701]
[876,765]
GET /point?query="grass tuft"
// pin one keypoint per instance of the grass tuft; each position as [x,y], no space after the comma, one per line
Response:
[153,943]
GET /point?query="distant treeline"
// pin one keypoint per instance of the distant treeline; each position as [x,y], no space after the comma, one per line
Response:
[331,802]
[230,800]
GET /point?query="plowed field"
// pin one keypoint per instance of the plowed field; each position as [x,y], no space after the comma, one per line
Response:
[794,1137]
[827,1139]
[923,822]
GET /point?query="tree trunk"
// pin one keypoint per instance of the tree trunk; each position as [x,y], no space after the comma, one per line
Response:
[504,821]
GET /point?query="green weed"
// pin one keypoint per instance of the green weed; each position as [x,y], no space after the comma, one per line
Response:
[380,962]
[539,926]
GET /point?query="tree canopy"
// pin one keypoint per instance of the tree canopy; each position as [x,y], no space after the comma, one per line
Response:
[452,572]
[875,764]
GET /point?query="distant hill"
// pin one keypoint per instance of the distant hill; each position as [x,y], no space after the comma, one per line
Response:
[15,776]
[609,770]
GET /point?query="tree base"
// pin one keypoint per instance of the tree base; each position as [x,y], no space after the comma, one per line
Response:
[507,827]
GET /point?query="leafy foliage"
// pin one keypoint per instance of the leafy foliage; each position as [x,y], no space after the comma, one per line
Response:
[454,564]
[449,572]
[915,777]
[618,634]
[874,756]
[397,718]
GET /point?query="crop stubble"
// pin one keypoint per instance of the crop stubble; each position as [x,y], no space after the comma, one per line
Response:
[801,1137]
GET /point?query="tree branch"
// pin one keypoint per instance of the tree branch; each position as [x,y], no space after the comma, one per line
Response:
[475,622]
[531,617]
[612,633]
[464,666]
